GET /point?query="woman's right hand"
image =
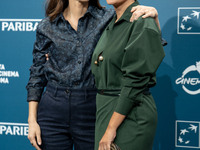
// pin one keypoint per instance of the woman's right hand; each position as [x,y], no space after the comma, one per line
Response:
[34,135]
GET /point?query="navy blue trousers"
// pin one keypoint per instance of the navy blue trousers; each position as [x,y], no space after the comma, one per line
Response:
[67,118]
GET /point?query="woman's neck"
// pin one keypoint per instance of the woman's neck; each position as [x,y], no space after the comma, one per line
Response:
[75,11]
[120,8]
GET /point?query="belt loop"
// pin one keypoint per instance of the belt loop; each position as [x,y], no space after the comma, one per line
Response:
[55,92]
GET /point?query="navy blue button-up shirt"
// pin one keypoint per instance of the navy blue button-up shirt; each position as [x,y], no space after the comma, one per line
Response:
[69,52]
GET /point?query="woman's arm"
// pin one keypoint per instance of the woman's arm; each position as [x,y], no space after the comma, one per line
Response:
[36,84]
[140,10]
[110,133]
[37,80]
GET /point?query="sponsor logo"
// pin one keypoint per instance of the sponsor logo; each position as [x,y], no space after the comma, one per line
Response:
[188,20]
[17,129]
[187,134]
[4,75]
[188,82]
[19,24]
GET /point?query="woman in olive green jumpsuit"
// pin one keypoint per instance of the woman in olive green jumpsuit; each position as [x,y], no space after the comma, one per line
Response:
[124,64]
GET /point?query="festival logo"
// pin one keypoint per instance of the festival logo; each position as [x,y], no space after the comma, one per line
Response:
[190,85]
[188,20]
[19,24]
[17,129]
[5,74]
[187,134]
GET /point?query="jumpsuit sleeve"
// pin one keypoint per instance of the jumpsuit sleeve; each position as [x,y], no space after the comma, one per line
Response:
[142,56]
[37,80]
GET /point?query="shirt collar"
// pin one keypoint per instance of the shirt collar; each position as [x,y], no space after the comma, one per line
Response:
[126,16]
[59,17]
[91,11]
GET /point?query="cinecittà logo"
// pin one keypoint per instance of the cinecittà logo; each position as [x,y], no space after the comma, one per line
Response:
[190,81]
[19,129]
[19,24]
[4,75]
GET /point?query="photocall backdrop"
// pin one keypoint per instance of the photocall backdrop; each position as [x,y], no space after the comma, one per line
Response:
[177,93]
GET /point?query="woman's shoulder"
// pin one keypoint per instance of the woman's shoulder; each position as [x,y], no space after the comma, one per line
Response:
[146,23]
[104,12]
[44,24]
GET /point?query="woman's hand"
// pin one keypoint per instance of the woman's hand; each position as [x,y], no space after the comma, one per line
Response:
[145,12]
[34,135]
[107,139]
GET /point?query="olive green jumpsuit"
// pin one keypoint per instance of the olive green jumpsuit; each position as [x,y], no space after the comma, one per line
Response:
[124,64]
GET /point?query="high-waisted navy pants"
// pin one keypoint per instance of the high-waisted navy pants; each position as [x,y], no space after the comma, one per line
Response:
[67,118]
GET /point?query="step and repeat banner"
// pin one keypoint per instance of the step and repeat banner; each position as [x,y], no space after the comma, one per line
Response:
[177,93]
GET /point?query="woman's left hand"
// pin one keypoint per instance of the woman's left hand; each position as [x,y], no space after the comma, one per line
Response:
[107,139]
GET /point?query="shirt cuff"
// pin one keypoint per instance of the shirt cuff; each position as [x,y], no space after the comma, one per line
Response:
[34,94]
[128,100]
[124,106]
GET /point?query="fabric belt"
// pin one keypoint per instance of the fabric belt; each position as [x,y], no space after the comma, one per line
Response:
[117,92]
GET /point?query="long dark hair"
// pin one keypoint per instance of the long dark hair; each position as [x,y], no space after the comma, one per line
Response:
[54,7]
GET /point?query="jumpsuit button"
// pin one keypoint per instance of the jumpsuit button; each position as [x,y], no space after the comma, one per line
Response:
[101,58]
[67,91]
[95,62]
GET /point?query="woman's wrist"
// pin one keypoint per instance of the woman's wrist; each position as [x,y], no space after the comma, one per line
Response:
[115,121]
[112,127]
[32,120]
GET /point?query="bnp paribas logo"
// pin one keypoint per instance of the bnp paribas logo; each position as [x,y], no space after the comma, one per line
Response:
[188,20]
[187,134]
[19,24]
[16,129]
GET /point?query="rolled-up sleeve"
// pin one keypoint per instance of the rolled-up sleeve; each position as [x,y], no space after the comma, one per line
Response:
[142,56]
[37,80]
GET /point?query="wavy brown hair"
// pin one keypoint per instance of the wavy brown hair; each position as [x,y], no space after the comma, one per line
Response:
[54,7]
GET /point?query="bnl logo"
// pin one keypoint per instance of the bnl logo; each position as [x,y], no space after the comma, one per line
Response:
[187,134]
[188,20]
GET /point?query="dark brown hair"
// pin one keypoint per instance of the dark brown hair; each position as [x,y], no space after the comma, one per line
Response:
[54,7]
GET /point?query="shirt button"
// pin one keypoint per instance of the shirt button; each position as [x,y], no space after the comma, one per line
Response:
[101,58]
[96,62]
[76,83]
[78,43]
[67,91]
